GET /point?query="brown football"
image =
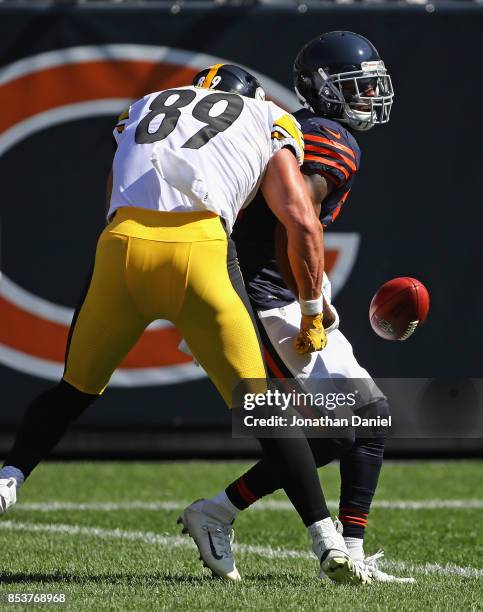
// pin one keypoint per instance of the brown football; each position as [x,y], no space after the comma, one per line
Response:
[398,308]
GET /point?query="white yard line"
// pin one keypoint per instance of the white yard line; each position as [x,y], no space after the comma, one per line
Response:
[148,537]
[275,505]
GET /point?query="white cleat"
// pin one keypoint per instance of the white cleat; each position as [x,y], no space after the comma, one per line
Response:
[369,564]
[335,561]
[339,567]
[8,493]
[213,538]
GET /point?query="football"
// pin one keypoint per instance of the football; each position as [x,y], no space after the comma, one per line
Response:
[398,308]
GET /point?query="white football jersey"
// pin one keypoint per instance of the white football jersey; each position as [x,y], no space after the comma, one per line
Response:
[189,149]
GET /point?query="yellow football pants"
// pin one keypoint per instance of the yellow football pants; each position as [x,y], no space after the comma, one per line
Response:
[157,265]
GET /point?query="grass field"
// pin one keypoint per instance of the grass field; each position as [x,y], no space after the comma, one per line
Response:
[106,534]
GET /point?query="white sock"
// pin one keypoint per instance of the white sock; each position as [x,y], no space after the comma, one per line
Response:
[355,546]
[221,507]
[12,472]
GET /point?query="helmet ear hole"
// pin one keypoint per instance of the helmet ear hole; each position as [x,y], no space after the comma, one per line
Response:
[305,86]
[306,80]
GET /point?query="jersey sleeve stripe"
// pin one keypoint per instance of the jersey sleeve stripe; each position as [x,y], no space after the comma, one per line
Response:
[330,177]
[323,158]
[332,154]
[328,162]
[336,212]
[287,123]
[280,133]
[317,169]
[332,143]
[123,116]
[121,124]
[332,150]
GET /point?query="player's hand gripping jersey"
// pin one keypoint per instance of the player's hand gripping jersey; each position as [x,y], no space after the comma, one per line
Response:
[201,150]
[331,151]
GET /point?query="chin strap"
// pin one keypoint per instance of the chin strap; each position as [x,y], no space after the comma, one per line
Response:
[360,125]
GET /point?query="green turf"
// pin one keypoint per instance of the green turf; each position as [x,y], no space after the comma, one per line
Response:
[115,574]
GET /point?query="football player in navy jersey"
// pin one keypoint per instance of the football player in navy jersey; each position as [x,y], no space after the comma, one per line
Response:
[344,87]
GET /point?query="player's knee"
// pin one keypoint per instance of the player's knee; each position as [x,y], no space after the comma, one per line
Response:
[326,450]
[376,410]
[65,398]
[345,442]
[62,403]
[380,408]
[78,397]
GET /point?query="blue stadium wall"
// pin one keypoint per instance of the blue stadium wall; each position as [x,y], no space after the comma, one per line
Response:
[415,210]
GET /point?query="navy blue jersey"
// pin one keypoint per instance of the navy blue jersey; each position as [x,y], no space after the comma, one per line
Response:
[331,151]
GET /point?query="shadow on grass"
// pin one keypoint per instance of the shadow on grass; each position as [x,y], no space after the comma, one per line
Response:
[124,578]
[286,579]
[54,577]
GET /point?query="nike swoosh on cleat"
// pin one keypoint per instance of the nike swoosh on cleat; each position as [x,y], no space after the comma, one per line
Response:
[326,552]
[213,549]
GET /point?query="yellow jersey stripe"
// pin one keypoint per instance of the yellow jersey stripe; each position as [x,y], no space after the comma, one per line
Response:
[288,124]
[278,135]
[124,115]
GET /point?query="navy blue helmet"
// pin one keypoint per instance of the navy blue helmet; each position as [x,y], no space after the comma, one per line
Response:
[340,75]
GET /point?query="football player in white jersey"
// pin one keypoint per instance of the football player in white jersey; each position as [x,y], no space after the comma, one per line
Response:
[188,159]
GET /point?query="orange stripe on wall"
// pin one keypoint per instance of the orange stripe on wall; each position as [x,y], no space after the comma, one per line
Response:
[72,83]
[28,333]
[156,348]
[330,257]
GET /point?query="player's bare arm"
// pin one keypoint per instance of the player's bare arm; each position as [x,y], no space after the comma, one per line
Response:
[289,199]
[318,188]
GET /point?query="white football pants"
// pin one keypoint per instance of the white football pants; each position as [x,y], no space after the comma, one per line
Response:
[336,360]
